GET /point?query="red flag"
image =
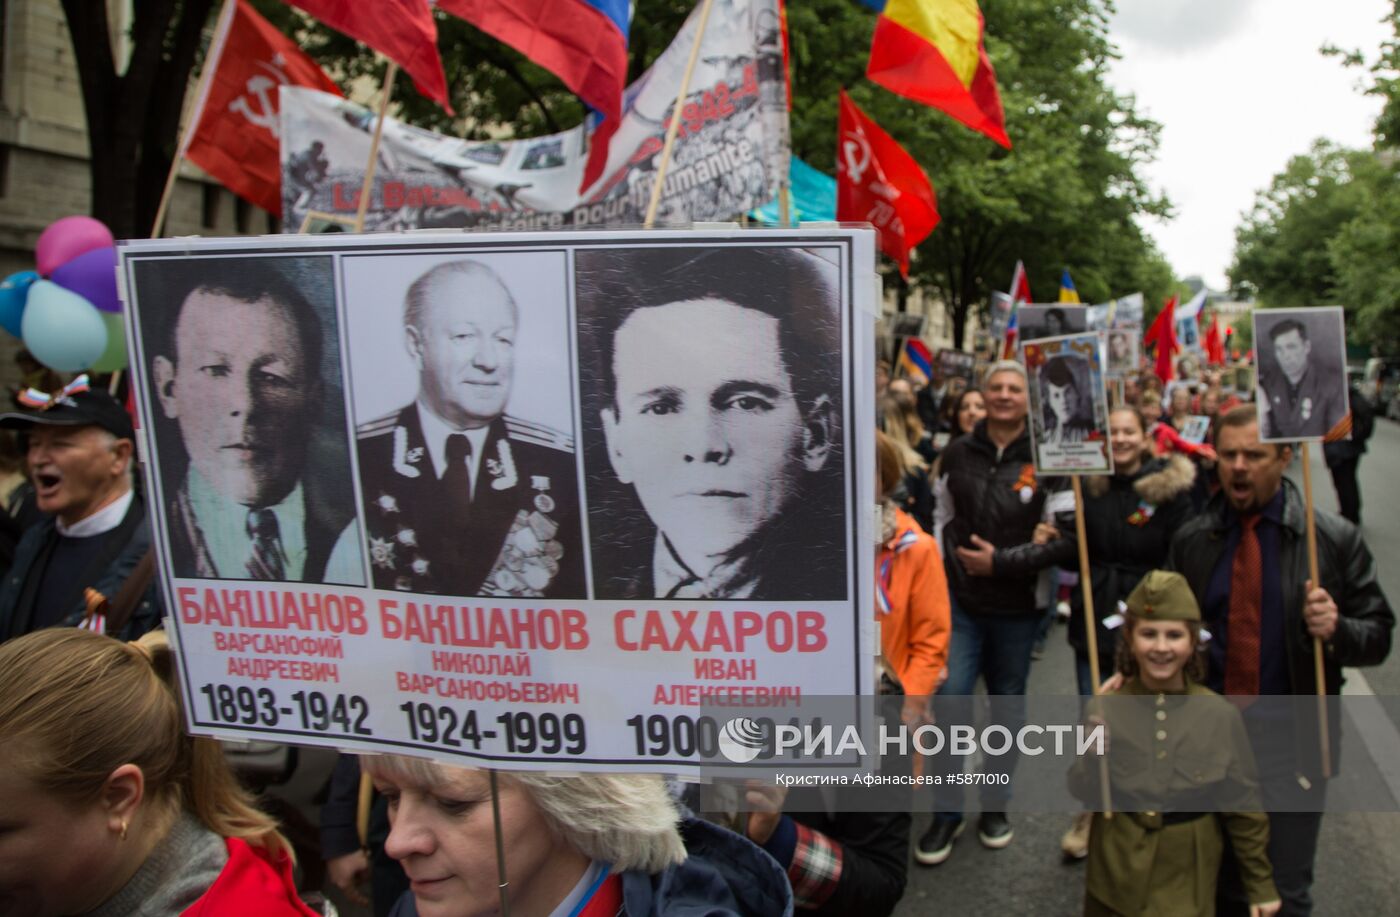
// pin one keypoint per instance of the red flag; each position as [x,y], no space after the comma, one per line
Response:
[579,41]
[877,181]
[233,133]
[931,51]
[1163,335]
[583,42]
[401,30]
[1215,344]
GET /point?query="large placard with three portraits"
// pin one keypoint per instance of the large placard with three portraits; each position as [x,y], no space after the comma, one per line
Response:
[527,498]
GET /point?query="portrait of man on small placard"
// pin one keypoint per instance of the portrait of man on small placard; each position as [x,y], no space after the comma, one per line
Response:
[711,389]
[1122,352]
[1301,357]
[250,422]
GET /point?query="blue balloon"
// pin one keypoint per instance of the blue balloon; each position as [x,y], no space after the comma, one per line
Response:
[14,292]
[63,330]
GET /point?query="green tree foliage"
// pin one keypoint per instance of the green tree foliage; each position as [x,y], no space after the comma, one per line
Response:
[1068,194]
[1281,253]
[1364,251]
[1328,227]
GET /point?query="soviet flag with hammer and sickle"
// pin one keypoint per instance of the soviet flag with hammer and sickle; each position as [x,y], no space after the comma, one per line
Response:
[235,133]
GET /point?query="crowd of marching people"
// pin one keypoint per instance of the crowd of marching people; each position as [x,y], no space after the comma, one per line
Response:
[1199,589]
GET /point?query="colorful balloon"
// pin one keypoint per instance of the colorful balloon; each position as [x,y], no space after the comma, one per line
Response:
[14,292]
[68,238]
[93,276]
[114,357]
[63,330]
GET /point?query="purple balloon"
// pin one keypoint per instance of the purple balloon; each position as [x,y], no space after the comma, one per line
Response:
[68,238]
[93,276]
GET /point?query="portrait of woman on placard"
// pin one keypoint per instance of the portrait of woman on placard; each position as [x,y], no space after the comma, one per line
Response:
[1067,416]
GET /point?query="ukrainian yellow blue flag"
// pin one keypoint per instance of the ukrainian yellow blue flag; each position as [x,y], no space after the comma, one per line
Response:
[1067,291]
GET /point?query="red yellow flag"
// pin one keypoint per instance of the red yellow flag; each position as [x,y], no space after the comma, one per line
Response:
[931,51]
[878,182]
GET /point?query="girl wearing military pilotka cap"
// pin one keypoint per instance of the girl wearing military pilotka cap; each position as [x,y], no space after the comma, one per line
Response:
[1177,753]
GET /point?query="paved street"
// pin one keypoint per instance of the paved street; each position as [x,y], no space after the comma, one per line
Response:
[1358,854]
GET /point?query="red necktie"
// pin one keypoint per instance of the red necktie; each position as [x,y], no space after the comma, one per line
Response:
[1246,611]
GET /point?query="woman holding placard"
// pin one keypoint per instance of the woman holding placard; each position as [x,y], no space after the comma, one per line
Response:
[107,807]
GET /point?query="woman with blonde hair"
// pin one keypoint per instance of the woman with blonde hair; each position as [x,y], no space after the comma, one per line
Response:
[585,844]
[915,445]
[107,807]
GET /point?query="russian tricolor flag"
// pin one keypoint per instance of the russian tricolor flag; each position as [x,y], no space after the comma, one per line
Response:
[583,42]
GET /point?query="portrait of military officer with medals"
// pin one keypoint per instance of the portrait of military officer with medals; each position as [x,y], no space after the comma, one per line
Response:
[460,497]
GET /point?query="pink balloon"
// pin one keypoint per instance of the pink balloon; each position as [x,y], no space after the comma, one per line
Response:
[68,238]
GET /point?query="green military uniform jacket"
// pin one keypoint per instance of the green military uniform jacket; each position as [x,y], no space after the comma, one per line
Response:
[1171,756]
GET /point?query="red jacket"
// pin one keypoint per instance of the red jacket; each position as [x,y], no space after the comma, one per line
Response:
[253,882]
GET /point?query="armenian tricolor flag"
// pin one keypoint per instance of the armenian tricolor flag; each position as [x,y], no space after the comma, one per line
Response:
[931,51]
[916,361]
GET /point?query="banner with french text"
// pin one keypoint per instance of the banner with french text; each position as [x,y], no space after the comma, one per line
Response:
[523,498]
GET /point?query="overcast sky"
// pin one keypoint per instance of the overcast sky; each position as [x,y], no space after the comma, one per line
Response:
[1239,87]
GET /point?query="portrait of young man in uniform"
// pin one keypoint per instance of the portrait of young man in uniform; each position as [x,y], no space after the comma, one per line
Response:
[1302,373]
[461,497]
[711,409]
[251,433]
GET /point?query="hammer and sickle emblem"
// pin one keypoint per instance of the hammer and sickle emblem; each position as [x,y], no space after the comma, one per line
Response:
[262,89]
[856,153]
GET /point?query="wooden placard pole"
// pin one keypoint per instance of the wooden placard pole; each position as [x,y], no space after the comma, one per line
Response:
[363,804]
[785,205]
[675,124]
[367,189]
[1318,670]
[502,882]
[1086,588]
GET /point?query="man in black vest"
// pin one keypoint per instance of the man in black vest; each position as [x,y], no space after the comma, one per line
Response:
[80,458]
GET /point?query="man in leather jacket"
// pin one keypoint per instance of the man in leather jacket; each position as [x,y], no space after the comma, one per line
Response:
[995,501]
[1346,611]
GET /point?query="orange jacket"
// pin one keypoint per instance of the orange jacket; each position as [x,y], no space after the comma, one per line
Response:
[914,634]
